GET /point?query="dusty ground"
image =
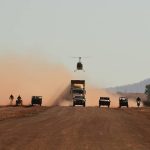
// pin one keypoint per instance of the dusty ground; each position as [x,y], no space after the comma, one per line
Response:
[78,128]
[15,112]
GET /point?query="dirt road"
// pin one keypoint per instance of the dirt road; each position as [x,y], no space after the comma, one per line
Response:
[68,128]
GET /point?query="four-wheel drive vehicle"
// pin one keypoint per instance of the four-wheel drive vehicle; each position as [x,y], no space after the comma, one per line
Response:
[36,100]
[79,100]
[123,101]
[104,101]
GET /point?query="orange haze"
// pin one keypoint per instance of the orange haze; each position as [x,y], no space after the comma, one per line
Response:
[33,75]
[29,76]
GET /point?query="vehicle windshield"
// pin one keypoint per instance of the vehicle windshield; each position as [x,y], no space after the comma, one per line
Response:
[104,98]
[123,99]
[80,91]
[79,97]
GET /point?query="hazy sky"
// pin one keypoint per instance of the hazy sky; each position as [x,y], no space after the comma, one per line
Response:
[115,34]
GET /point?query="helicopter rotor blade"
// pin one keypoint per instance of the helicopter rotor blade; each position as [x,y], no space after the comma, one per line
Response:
[76,57]
[81,57]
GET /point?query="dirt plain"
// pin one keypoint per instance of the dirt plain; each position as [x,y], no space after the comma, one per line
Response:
[74,128]
[8,112]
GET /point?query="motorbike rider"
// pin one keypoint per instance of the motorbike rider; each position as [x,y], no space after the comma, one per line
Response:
[19,97]
[138,100]
[19,100]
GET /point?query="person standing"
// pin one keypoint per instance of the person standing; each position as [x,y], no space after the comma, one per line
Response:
[11,98]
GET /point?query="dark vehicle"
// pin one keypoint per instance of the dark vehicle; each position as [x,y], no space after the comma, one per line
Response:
[79,65]
[105,101]
[138,103]
[79,100]
[36,100]
[138,100]
[123,101]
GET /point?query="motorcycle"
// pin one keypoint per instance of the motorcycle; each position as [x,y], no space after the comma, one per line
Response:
[18,102]
[138,103]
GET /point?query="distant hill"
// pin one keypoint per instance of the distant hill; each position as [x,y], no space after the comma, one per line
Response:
[131,88]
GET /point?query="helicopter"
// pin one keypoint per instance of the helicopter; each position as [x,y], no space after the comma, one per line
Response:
[79,65]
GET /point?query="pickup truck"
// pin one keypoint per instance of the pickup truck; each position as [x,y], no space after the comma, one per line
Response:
[36,100]
[79,100]
[104,101]
[123,101]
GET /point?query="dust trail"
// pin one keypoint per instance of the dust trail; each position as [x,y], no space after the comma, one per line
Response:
[93,95]
[33,75]
[30,76]
[64,98]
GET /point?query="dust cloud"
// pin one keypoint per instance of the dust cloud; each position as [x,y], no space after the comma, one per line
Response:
[32,75]
[29,76]
[93,95]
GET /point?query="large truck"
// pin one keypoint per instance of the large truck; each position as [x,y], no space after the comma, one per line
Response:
[78,92]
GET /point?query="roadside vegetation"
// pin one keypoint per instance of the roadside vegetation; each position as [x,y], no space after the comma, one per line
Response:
[147,92]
